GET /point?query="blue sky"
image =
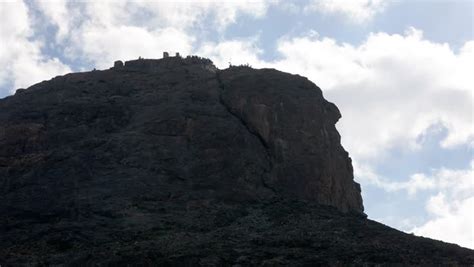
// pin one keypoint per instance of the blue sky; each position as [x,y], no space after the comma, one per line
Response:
[400,72]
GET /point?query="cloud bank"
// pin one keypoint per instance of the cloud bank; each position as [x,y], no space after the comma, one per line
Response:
[21,58]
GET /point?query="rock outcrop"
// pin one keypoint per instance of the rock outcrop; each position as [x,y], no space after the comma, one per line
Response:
[175,162]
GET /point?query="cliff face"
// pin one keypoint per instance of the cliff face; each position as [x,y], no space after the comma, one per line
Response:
[296,127]
[175,162]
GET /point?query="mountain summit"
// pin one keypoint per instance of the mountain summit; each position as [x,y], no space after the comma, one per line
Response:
[175,162]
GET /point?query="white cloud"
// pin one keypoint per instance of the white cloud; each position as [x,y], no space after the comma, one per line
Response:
[189,13]
[103,46]
[326,62]
[453,221]
[57,12]
[236,52]
[24,64]
[358,11]
[452,208]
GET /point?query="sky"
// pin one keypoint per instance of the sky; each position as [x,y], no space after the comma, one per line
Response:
[401,73]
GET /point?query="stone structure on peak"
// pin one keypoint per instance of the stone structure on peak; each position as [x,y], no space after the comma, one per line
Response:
[164,64]
[118,64]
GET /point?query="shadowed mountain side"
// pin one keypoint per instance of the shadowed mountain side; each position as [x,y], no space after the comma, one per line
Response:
[175,162]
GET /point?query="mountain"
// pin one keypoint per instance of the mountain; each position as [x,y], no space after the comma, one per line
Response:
[175,162]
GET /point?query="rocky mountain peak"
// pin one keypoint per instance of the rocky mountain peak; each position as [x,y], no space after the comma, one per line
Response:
[174,162]
[238,133]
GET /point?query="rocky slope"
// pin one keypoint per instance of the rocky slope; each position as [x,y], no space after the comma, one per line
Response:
[175,162]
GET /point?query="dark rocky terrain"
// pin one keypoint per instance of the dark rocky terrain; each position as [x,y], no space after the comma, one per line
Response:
[174,162]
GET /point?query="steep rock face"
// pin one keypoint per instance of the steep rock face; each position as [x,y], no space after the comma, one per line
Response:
[171,127]
[296,126]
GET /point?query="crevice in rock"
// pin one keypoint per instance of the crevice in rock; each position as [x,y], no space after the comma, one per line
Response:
[252,132]
[242,121]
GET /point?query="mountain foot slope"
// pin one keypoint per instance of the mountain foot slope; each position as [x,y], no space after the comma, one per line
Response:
[207,233]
